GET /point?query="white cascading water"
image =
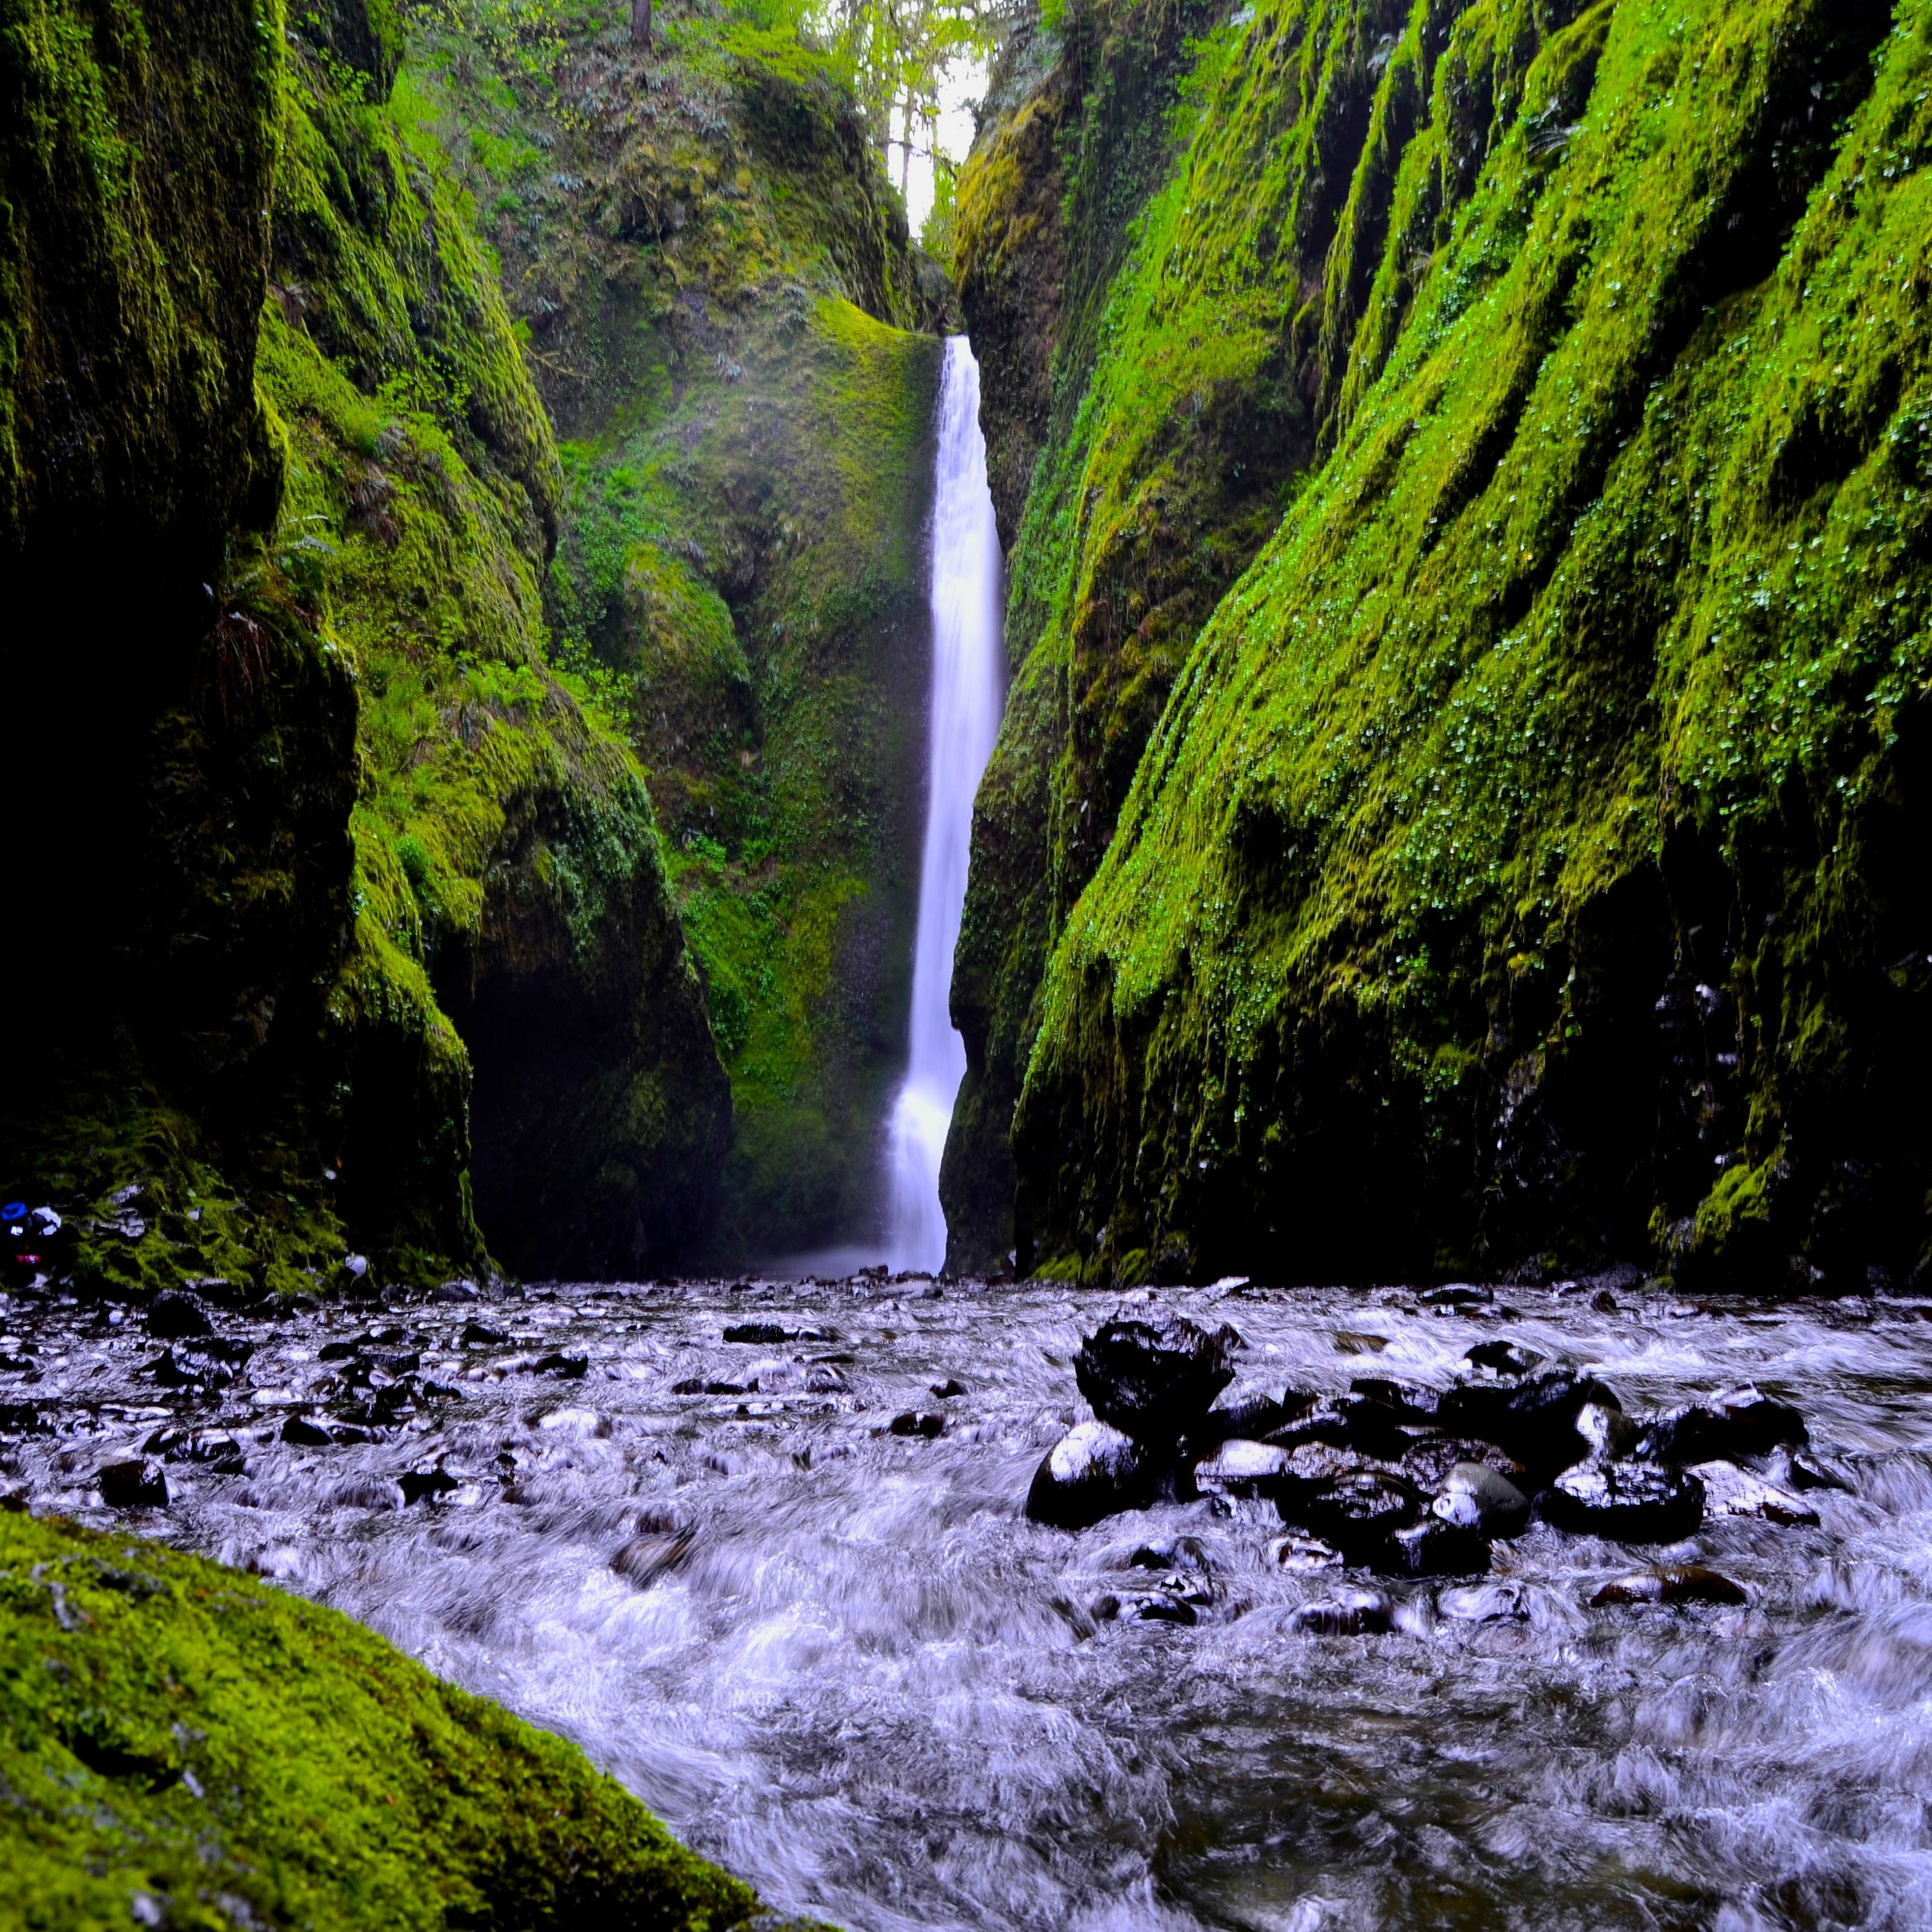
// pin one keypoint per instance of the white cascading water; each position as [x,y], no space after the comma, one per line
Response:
[967,695]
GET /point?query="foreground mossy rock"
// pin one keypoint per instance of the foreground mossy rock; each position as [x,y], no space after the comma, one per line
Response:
[182,1745]
[1524,870]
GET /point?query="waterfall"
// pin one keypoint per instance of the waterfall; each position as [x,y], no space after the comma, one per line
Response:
[967,694]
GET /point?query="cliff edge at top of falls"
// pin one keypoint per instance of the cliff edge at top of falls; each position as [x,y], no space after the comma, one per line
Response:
[1464,792]
[734,335]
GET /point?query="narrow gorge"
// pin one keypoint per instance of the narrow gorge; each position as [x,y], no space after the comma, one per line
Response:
[964,968]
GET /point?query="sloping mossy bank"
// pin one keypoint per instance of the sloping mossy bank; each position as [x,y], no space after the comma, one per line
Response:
[1525,870]
[183,1746]
[728,323]
[317,834]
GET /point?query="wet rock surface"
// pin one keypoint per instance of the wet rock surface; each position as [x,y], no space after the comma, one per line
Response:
[843,1659]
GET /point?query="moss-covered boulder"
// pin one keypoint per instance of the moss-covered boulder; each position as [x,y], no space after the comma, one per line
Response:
[728,324]
[1521,872]
[182,1745]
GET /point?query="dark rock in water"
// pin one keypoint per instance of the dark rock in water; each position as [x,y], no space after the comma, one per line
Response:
[1352,1613]
[1296,1551]
[572,1368]
[205,1362]
[912,1423]
[1534,1419]
[1155,1380]
[1798,1469]
[1628,1502]
[302,1433]
[1740,1422]
[1611,1434]
[1485,1603]
[766,1334]
[1253,1413]
[171,1316]
[136,1483]
[946,1390]
[1150,1607]
[1502,1358]
[1094,1470]
[1358,1514]
[457,1292]
[652,1554]
[1680,1583]
[416,1484]
[1358,1422]
[22,1418]
[1457,1295]
[1435,1548]
[215,1448]
[1428,1460]
[481,1335]
[1184,1553]
[1414,1402]
[1240,1468]
[1730,1491]
[1475,1497]
[342,1351]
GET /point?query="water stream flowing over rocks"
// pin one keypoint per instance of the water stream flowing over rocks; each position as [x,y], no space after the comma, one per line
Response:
[761,1549]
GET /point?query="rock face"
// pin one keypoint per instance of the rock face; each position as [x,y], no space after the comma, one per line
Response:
[1389,950]
[1629,1502]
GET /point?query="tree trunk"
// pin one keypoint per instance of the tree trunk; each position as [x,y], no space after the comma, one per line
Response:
[641,22]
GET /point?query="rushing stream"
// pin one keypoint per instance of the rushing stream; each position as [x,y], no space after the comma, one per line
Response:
[967,682]
[823,1643]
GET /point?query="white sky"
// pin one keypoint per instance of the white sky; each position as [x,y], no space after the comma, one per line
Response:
[965,83]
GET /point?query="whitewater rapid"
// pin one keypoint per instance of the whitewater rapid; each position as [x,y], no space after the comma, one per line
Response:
[967,695]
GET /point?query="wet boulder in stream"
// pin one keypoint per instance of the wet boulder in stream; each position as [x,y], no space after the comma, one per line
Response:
[1740,1422]
[1155,1380]
[172,1315]
[1627,1502]
[1534,1418]
[1093,1471]
[1475,1497]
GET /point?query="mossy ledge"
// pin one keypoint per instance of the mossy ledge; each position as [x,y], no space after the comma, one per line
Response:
[1525,871]
[182,1745]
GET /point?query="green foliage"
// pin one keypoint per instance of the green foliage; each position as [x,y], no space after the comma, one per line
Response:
[1586,668]
[176,1733]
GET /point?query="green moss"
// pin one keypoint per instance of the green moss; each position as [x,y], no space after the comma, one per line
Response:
[175,1732]
[1576,689]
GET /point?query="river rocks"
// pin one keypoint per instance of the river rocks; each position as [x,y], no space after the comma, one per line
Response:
[1535,1419]
[1243,1410]
[1677,1583]
[1154,1380]
[1355,1421]
[1489,1602]
[1740,1422]
[765,1334]
[1093,1471]
[1476,1497]
[136,1483]
[1356,1513]
[1297,1551]
[1799,1469]
[945,1391]
[1610,1433]
[173,1315]
[203,1361]
[422,1485]
[1502,1358]
[1428,1460]
[654,1553]
[481,1335]
[1350,1613]
[215,1448]
[1628,1502]
[1433,1547]
[571,1368]
[926,1427]
[1730,1491]
[1241,1467]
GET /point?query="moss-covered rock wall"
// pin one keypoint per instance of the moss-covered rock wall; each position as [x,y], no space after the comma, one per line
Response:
[1519,872]
[305,802]
[724,315]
